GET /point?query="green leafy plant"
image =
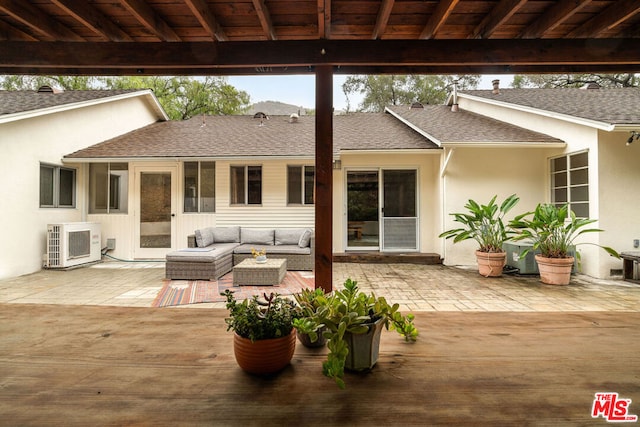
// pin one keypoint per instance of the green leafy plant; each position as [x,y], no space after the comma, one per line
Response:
[350,310]
[309,300]
[483,223]
[259,319]
[552,230]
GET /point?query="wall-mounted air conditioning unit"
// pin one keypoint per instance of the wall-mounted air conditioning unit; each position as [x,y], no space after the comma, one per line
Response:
[525,264]
[73,243]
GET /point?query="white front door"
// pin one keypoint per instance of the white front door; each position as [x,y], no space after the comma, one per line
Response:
[155,211]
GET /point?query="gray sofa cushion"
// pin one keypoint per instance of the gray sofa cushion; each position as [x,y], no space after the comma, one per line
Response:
[226,234]
[274,250]
[193,256]
[209,254]
[288,236]
[204,237]
[305,238]
[256,237]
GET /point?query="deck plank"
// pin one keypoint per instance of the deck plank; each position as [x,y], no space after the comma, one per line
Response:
[81,365]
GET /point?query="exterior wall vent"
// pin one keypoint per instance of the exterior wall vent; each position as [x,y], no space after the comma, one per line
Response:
[591,85]
[48,89]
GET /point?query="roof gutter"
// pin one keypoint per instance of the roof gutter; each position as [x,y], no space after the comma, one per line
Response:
[177,159]
[504,144]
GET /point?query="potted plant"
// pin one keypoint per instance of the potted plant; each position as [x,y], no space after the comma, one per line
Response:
[354,321]
[484,224]
[259,255]
[552,230]
[264,339]
[309,300]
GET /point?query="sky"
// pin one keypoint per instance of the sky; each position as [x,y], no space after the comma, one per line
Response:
[299,90]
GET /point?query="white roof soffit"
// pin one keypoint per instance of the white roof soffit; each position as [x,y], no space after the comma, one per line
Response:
[414,127]
[565,117]
[75,105]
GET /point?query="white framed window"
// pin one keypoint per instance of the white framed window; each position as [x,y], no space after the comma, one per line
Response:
[108,188]
[570,182]
[300,185]
[246,185]
[57,186]
[199,187]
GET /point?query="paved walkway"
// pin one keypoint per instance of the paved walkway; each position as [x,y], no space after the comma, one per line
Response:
[415,287]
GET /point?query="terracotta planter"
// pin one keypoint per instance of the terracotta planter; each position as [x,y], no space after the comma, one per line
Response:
[490,264]
[555,271]
[363,348]
[264,356]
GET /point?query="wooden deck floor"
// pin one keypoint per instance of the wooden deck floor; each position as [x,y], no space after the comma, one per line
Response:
[83,365]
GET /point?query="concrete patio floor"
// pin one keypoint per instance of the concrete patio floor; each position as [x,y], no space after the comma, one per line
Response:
[84,347]
[414,287]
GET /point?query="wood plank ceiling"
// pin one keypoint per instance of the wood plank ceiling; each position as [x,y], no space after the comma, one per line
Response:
[293,36]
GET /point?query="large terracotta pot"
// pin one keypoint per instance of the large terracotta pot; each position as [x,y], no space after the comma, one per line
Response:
[363,348]
[490,264]
[555,271]
[264,356]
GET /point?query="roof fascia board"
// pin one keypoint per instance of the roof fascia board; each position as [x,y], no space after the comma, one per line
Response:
[506,144]
[66,159]
[414,127]
[75,105]
[546,113]
[394,151]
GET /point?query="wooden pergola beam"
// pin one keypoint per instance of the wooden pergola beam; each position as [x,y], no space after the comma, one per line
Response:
[39,21]
[265,19]
[206,18]
[9,32]
[324,179]
[613,15]
[202,57]
[438,18]
[92,18]
[151,20]
[552,17]
[498,15]
[382,19]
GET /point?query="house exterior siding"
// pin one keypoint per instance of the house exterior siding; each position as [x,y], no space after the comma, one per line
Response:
[25,144]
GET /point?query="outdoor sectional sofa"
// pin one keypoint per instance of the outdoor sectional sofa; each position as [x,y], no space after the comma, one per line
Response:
[212,252]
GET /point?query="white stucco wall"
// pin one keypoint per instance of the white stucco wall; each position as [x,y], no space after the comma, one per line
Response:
[25,144]
[608,163]
[481,173]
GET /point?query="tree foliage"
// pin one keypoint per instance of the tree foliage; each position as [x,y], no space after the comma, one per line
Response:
[382,90]
[181,97]
[575,80]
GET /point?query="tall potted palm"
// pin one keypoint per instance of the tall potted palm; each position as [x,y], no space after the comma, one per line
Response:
[485,225]
[552,230]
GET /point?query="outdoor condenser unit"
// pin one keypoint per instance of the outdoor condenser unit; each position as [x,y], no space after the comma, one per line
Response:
[73,243]
[526,264]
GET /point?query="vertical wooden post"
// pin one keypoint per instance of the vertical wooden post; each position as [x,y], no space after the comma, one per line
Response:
[324,178]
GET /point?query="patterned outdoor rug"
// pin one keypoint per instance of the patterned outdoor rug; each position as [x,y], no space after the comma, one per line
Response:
[180,292]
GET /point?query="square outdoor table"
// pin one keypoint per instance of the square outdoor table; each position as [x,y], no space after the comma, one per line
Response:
[251,273]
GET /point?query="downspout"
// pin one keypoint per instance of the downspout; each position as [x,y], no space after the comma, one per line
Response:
[443,172]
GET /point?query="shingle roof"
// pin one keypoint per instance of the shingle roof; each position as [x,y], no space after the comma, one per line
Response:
[19,101]
[242,136]
[466,127]
[613,106]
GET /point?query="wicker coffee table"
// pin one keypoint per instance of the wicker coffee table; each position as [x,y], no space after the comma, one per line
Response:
[251,273]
